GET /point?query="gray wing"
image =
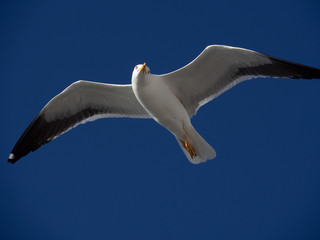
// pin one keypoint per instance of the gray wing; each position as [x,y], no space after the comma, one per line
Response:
[218,68]
[82,101]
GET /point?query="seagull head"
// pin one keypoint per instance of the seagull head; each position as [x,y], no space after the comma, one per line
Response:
[141,68]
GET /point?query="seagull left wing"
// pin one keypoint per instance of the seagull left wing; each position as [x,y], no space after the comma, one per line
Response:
[218,68]
[82,101]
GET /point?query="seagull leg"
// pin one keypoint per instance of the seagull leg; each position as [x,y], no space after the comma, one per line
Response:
[188,146]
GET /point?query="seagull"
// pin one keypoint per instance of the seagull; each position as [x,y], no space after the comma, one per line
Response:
[170,99]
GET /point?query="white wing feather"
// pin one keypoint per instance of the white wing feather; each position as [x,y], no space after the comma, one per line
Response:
[111,100]
[82,101]
[211,74]
[218,68]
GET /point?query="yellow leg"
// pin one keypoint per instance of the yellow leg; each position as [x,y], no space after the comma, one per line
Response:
[188,146]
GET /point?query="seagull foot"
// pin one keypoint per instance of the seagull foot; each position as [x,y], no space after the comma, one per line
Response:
[185,143]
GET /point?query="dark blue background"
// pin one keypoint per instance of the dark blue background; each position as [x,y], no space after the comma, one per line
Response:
[128,179]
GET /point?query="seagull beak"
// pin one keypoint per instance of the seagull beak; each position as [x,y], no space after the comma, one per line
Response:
[143,68]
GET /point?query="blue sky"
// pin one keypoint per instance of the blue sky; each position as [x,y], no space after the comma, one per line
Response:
[128,179]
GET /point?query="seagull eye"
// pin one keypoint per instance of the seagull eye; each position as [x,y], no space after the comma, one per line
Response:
[136,67]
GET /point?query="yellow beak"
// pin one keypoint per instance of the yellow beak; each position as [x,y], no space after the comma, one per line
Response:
[143,67]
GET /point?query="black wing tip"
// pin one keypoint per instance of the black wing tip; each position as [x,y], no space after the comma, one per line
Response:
[40,132]
[280,68]
[26,143]
[300,71]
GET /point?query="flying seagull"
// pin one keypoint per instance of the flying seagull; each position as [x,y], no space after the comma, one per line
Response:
[170,99]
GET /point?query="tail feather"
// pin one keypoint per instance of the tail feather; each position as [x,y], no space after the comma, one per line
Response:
[202,149]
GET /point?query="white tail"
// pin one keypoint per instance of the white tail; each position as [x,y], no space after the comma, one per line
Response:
[202,149]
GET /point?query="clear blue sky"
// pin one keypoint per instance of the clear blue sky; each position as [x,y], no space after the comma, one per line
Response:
[128,179]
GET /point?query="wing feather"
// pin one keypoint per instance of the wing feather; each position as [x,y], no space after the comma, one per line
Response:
[82,101]
[219,68]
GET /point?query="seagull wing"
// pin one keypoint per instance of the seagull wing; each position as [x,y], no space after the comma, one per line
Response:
[82,101]
[218,68]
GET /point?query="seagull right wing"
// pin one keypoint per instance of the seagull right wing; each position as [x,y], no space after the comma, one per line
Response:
[218,68]
[82,101]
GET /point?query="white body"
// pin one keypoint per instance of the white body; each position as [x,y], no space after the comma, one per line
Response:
[166,109]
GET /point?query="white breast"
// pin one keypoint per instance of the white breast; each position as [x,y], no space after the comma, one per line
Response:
[158,100]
